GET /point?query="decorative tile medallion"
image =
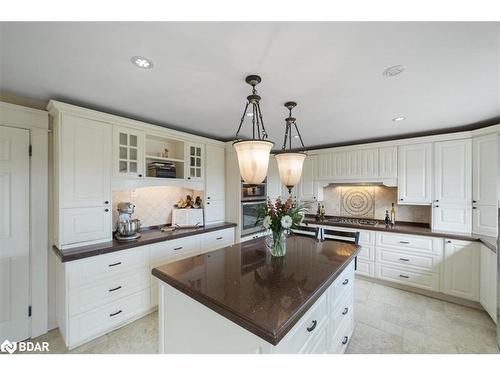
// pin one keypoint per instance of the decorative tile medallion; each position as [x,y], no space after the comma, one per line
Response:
[357,201]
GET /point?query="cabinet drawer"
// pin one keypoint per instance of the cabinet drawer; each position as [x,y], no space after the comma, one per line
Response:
[343,283]
[171,250]
[317,344]
[85,225]
[86,326]
[365,268]
[217,239]
[404,275]
[108,290]
[343,311]
[367,253]
[343,336]
[310,324]
[100,267]
[425,262]
[416,243]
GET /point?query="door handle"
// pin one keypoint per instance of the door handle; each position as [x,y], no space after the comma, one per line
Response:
[346,310]
[114,264]
[178,248]
[219,238]
[344,340]
[313,325]
[345,282]
[404,242]
[113,289]
[116,313]
[404,259]
[404,276]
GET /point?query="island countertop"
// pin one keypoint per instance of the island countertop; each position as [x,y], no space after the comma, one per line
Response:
[264,295]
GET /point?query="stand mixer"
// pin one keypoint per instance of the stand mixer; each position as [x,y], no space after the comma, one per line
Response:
[127,229]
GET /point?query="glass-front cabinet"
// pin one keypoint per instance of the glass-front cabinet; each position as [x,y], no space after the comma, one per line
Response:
[195,157]
[128,152]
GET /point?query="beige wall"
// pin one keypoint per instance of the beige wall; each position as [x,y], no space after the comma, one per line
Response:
[370,202]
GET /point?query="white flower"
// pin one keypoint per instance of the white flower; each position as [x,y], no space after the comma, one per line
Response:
[267,222]
[286,222]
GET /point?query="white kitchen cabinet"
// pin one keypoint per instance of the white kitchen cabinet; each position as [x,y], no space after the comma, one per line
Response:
[84,147]
[128,152]
[214,211]
[273,179]
[388,162]
[452,218]
[353,163]
[414,174]
[461,269]
[325,166]
[195,161]
[85,224]
[308,187]
[339,165]
[484,185]
[369,163]
[488,282]
[215,173]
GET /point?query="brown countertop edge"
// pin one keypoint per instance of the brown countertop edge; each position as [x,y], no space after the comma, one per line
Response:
[149,236]
[272,337]
[419,229]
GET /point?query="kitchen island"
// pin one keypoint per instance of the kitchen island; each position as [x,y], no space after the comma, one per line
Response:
[239,299]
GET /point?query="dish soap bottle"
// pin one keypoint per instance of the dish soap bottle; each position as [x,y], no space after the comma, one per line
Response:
[387,218]
[393,215]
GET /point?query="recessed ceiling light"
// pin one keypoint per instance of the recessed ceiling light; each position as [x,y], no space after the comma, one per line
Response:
[295,136]
[142,62]
[393,71]
[249,114]
[400,118]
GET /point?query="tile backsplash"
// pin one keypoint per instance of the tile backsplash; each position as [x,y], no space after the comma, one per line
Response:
[153,205]
[370,202]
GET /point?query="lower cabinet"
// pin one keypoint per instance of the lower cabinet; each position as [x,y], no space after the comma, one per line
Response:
[98,294]
[488,282]
[461,269]
[452,218]
[215,211]
[84,225]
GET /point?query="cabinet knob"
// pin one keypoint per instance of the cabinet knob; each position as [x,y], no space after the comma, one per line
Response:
[346,310]
[345,282]
[189,178]
[208,197]
[106,210]
[474,201]
[474,207]
[208,202]
[448,241]
[400,199]
[313,325]
[437,200]
[140,175]
[344,340]
[106,202]
[437,205]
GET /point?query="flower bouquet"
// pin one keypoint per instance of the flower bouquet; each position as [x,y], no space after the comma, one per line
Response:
[279,218]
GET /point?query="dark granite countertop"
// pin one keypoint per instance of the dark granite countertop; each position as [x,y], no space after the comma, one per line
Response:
[149,236]
[265,295]
[410,228]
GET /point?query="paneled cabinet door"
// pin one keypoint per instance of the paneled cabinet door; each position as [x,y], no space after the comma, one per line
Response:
[388,162]
[369,163]
[215,176]
[452,168]
[484,220]
[85,162]
[451,218]
[353,164]
[488,282]
[414,174]
[128,152]
[339,165]
[461,269]
[214,211]
[273,179]
[307,187]
[325,166]
[85,225]
[484,170]
[194,161]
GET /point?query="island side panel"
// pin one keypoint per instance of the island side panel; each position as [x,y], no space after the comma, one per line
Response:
[188,327]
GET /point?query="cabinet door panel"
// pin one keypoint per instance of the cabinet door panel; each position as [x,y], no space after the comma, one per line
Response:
[388,162]
[308,185]
[339,165]
[484,220]
[484,170]
[414,174]
[215,176]
[451,218]
[353,164]
[85,162]
[214,211]
[324,166]
[273,179]
[128,152]
[369,163]
[85,224]
[461,269]
[195,161]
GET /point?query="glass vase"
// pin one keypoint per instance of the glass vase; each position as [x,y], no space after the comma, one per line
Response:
[276,243]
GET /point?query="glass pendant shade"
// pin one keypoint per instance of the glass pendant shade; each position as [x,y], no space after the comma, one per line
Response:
[290,168]
[253,159]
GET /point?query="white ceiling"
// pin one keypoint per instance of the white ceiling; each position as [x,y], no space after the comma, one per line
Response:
[332,69]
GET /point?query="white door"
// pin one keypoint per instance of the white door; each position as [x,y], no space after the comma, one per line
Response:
[14,234]
[308,184]
[215,176]
[414,174]
[461,269]
[273,179]
[484,170]
[194,165]
[85,162]
[128,152]
[484,220]
[215,211]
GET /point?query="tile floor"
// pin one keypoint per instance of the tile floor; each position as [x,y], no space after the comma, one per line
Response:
[388,321]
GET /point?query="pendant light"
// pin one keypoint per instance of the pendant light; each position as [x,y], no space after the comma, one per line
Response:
[253,154]
[289,162]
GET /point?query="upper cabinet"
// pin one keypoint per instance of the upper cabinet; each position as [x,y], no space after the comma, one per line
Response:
[195,157]
[128,152]
[370,163]
[83,149]
[414,174]
[325,166]
[388,162]
[215,173]
[273,179]
[308,188]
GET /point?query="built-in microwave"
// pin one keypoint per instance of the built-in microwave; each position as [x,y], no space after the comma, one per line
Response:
[249,216]
[253,192]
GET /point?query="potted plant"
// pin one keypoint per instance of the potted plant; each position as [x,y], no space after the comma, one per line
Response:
[279,217]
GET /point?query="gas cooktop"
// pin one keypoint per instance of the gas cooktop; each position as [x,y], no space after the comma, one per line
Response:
[351,220]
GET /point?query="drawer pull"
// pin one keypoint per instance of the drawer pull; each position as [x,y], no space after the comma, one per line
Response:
[404,242]
[178,248]
[345,282]
[219,238]
[346,310]
[313,325]
[113,289]
[115,264]
[404,259]
[116,313]
[404,276]
[344,340]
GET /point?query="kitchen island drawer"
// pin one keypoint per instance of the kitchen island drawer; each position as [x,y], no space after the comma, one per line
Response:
[343,312]
[309,325]
[171,250]
[89,270]
[92,296]
[343,283]
[421,244]
[217,239]
[341,339]
[425,262]
[404,275]
[84,327]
